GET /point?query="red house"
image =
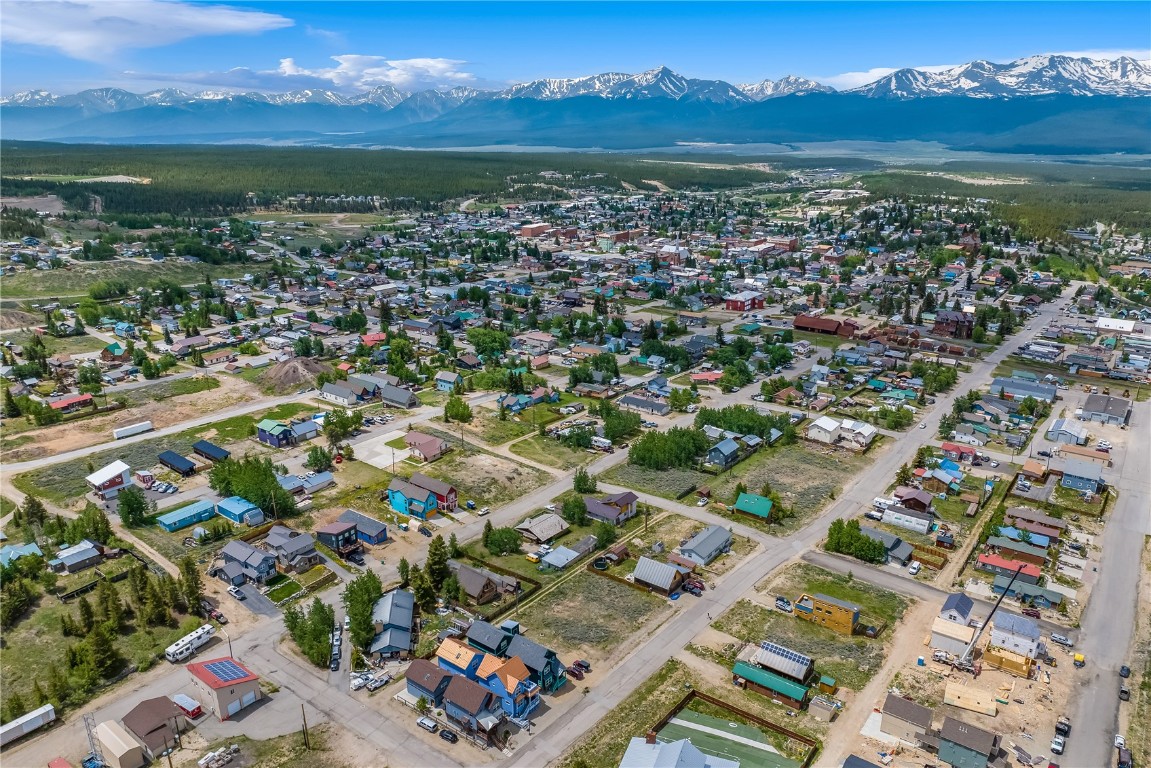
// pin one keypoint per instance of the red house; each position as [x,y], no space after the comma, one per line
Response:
[107,483]
[445,493]
[957,452]
[744,301]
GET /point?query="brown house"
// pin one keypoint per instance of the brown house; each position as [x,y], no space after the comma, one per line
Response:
[957,325]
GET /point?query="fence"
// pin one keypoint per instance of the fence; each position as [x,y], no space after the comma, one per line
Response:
[932,557]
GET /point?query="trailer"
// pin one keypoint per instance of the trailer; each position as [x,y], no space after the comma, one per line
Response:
[134,429]
[189,644]
[27,723]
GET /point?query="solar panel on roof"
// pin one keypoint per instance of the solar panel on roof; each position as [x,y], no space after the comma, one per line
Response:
[226,671]
[786,653]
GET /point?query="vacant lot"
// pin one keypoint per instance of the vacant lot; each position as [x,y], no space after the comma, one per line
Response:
[551,453]
[668,483]
[74,280]
[588,613]
[604,745]
[674,530]
[487,425]
[485,478]
[69,345]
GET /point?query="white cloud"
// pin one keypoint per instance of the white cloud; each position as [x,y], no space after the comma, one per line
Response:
[327,35]
[95,29]
[353,72]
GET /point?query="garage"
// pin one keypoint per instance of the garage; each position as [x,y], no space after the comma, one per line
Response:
[225,685]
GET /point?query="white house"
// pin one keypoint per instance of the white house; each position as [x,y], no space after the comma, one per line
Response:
[108,481]
[920,522]
[337,394]
[858,432]
[824,430]
[1015,633]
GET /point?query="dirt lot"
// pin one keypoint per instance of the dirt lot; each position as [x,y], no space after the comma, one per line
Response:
[674,530]
[331,747]
[485,478]
[164,413]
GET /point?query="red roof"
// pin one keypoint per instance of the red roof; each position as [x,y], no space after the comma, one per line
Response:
[707,376]
[1010,565]
[372,339]
[64,402]
[825,324]
[957,448]
[200,670]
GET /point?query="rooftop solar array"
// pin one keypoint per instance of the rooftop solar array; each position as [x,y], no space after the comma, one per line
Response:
[227,671]
[786,653]
[783,660]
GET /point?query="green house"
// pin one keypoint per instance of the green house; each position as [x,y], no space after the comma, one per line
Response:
[770,684]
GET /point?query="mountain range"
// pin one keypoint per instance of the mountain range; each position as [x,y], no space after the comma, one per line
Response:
[1031,99]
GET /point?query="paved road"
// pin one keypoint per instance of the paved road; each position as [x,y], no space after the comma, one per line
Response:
[1108,622]
[551,742]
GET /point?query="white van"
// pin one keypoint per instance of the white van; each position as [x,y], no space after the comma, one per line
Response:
[428,724]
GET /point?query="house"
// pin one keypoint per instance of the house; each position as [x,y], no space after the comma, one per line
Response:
[1107,409]
[1018,634]
[155,723]
[707,545]
[1017,516]
[1018,550]
[209,451]
[1067,432]
[510,680]
[71,403]
[295,551]
[957,609]
[1005,566]
[471,706]
[904,719]
[445,493]
[411,500]
[225,686]
[118,747]
[177,463]
[898,550]
[340,537]
[12,552]
[543,528]
[543,665]
[425,680]
[77,557]
[837,615]
[914,499]
[240,510]
[275,433]
[956,325]
[744,301]
[243,562]
[108,481]
[1031,594]
[651,753]
[368,529]
[824,430]
[957,452]
[775,687]
[823,325]
[1082,475]
[393,617]
[638,403]
[304,430]
[426,447]
[447,381]
[658,577]
[458,658]
[724,454]
[398,397]
[616,509]
[1019,389]
[754,505]
[784,661]
[488,638]
[965,746]
[196,512]
[476,584]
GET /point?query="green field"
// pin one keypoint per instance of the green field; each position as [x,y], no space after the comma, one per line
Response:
[551,453]
[68,345]
[705,739]
[75,280]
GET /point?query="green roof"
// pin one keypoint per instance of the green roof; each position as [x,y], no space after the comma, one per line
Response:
[754,504]
[271,426]
[827,680]
[770,680]
[115,348]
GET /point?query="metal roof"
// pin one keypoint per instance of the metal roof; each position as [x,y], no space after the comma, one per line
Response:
[770,680]
[655,573]
[783,660]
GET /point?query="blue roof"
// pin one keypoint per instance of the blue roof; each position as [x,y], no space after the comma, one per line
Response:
[726,447]
[211,450]
[1038,539]
[184,513]
[960,602]
[14,551]
[236,505]
[176,462]
[367,525]
[1016,625]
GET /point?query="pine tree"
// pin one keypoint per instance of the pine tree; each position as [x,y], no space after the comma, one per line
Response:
[454,548]
[11,408]
[422,590]
[488,528]
[405,572]
[192,585]
[102,652]
[437,564]
[87,615]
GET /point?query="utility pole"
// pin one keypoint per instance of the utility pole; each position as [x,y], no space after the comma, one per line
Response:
[304,717]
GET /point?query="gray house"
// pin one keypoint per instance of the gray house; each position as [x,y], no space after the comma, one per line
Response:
[905,720]
[1082,476]
[724,454]
[243,562]
[294,550]
[898,550]
[1068,432]
[707,545]
[393,617]
[398,397]
[1018,389]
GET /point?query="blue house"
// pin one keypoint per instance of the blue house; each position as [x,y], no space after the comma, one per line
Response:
[724,454]
[510,682]
[275,433]
[963,745]
[194,513]
[368,529]
[446,381]
[240,510]
[124,330]
[471,705]
[16,551]
[1082,475]
[410,500]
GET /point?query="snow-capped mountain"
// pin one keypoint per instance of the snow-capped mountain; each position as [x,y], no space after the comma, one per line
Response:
[309,96]
[166,97]
[384,96]
[1030,76]
[31,99]
[786,86]
[660,82]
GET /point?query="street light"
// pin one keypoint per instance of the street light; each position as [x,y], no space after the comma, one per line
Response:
[229,637]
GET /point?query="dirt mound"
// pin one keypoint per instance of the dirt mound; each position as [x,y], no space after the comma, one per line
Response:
[292,374]
[11,319]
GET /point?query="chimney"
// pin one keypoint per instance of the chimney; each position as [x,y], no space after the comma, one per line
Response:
[650,737]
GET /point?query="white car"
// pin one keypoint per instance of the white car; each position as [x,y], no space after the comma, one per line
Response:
[922,425]
[236,593]
[994,464]
[359,682]
[1057,745]
[915,566]
[1120,742]
[701,503]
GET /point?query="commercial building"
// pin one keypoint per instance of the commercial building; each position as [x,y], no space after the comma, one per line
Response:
[225,686]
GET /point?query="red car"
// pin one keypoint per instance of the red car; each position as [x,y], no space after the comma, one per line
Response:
[575,672]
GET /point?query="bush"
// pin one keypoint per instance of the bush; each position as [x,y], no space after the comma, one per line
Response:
[503,541]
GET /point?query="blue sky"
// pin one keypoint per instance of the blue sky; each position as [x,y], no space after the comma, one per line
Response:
[350,46]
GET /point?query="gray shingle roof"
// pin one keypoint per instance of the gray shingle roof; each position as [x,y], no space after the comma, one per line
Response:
[655,573]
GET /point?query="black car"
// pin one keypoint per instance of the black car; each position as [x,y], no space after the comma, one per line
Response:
[356,558]
[1124,671]
[335,665]
[1045,454]
[425,532]
[449,736]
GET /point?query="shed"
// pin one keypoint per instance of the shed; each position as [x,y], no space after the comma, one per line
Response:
[177,463]
[196,512]
[210,451]
[120,749]
[155,723]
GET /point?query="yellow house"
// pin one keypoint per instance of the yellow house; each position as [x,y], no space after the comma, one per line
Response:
[830,612]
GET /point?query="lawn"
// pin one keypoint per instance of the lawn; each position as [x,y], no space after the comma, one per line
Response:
[552,453]
[162,390]
[1071,499]
[284,590]
[35,643]
[817,339]
[7,506]
[603,746]
[76,280]
[69,345]
[588,612]
[634,369]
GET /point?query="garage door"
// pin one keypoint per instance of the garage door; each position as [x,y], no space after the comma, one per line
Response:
[249,699]
[233,708]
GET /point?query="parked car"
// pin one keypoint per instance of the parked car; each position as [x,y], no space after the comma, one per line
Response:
[481,513]
[236,593]
[783,604]
[915,566]
[1063,640]
[335,665]
[377,683]
[702,501]
[358,683]
[356,558]
[1045,454]
[1124,671]
[575,672]
[425,532]
[582,664]
[1032,613]
[449,736]
[994,464]
[1057,745]
[1120,742]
